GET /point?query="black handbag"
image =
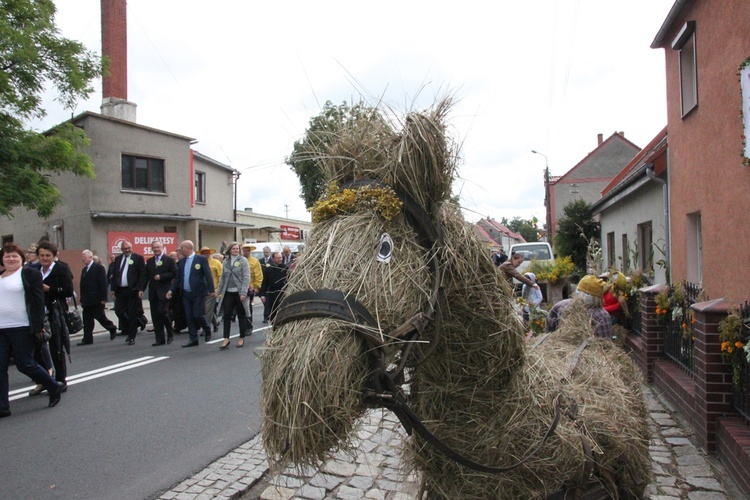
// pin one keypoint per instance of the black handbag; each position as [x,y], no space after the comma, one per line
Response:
[73,318]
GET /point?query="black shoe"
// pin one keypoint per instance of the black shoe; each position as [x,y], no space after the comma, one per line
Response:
[170,338]
[37,390]
[158,343]
[265,321]
[112,333]
[130,341]
[207,333]
[54,397]
[4,413]
[191,344]
[85,343]
[64,387]
[143,322]
[224,347]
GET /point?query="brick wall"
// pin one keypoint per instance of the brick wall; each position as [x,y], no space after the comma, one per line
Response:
[704,398]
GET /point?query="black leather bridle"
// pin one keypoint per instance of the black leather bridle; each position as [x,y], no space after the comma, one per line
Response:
[383,385]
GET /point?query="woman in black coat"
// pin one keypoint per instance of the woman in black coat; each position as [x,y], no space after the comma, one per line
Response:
[21,320]
[58,286]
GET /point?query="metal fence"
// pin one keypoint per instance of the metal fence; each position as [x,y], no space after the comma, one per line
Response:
[679,339]
[634,308]
[741,391]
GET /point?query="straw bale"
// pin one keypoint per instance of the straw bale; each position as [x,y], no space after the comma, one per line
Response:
[477,384]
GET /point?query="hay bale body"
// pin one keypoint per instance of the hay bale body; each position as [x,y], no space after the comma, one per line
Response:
[479,387]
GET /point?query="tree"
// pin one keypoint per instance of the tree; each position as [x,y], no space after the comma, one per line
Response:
[574,231]
[525,227]
[34,55]
[306,159]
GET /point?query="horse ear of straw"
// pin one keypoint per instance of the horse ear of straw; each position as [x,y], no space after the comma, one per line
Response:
[413,154]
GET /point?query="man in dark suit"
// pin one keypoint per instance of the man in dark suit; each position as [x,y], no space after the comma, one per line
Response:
[161,270]
[128,283]
[93,298]
[194,281]
[274,281]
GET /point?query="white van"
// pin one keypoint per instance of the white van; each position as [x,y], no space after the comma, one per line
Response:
[274,245]
[539,250]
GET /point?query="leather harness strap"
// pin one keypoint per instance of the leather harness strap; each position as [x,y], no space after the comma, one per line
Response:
[382,389]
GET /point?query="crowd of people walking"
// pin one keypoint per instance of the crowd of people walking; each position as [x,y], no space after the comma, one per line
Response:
[186,290]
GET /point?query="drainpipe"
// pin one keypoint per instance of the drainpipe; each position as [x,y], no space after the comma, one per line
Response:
[665,195]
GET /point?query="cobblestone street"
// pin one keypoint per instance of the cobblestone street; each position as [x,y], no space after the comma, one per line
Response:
[680,469]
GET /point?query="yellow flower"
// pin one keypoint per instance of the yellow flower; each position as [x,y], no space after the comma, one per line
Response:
[738,344]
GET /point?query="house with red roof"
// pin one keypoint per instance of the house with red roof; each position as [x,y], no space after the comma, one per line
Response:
[498,233]
[589,176]
[633,213]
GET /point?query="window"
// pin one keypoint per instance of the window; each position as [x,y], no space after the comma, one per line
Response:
[200,187]
[684,42]
[142,174]
[645,246]
[611,250]
[694,233]
[625,254]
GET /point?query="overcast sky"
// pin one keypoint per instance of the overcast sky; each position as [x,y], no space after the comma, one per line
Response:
[244,78]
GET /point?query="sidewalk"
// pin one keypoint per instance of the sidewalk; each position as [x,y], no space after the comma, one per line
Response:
[680,469]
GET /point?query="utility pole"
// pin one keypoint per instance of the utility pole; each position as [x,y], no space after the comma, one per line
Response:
[286,210]
[547,201]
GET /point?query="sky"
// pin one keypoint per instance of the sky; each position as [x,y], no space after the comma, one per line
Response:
[245,78]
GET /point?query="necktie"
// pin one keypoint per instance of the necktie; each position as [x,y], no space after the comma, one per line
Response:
[122,268]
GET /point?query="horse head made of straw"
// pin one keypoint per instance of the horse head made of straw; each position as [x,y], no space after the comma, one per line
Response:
[393,279]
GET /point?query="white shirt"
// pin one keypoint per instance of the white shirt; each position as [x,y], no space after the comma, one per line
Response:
[124,273]
[12,302]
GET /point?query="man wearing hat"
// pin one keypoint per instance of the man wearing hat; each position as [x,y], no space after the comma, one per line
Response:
[216,270]
[590,291]
[256,280]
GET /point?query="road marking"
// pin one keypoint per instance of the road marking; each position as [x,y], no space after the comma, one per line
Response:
[221,339]
[94,374]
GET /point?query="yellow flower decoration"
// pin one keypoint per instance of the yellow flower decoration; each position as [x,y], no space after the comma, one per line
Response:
[197,266]
[382,200]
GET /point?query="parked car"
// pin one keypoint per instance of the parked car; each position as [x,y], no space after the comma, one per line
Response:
[540,250]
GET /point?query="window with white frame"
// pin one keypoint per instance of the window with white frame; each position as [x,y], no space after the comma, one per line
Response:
[611,250]
[694,254]
[646,247]
[684,43]
[625,254]
[200,187]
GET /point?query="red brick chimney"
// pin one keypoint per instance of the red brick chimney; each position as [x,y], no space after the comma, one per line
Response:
[115,46]
[599,139]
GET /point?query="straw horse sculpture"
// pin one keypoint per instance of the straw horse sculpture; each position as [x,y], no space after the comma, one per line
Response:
[393,288]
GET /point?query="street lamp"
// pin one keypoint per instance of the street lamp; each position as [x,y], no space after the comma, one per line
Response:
[547,206]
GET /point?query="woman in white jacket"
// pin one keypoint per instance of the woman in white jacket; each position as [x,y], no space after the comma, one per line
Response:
[232,292]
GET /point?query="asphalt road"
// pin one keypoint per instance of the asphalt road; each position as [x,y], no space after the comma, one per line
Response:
[135,419]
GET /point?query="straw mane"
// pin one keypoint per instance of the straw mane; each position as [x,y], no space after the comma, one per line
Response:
[477,385]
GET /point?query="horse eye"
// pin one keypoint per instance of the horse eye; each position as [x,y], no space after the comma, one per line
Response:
[385,249]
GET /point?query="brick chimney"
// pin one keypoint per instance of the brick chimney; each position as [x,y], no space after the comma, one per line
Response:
[115,46]
[599,139]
